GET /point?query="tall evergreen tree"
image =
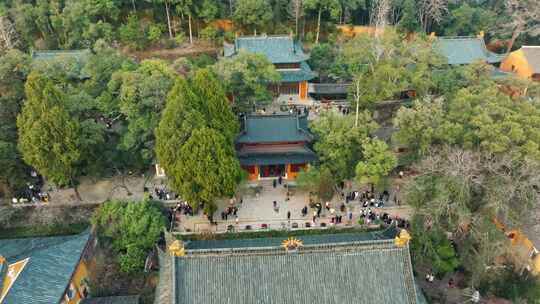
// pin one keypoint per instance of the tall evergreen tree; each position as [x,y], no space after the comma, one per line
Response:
[195,141]
[48,136]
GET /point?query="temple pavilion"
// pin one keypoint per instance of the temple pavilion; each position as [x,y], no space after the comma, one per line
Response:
[287,56]
[273,146]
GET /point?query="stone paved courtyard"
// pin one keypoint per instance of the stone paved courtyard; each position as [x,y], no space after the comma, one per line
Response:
[258,209]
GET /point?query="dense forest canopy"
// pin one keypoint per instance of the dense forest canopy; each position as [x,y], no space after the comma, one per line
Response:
[75,24]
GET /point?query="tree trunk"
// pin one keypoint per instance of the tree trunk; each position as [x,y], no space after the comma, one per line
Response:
[76,190]
[230,7]
[515,34]
[133,4]
[190,32]
[318,26]
[303,27]
[357,97]
[168,19]
[296,16]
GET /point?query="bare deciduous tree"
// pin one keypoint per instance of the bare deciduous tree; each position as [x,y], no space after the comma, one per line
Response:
[296,11]
[431,11]
[8,35]
[379,15]
[524,19]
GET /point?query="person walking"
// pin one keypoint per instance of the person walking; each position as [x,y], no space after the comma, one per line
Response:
[289,216]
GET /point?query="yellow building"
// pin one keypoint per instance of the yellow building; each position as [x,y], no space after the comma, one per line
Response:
[46,270]
[524,62]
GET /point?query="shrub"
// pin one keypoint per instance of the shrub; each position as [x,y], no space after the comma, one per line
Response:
[154,32]
[211,34]
[132,228]
[180,38]
[169,43]
[202,61]
[133,34]
[229,37]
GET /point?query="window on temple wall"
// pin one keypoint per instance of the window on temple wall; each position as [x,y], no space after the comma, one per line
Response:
[297,167]
[294,65]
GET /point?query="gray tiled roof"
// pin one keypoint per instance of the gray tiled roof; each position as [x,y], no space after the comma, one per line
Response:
[352,272]
[52,261]
[532,54]
[273,128]
[278,49]
[285,154]
[466,50]
[303,74]
[50,54]
[112,300]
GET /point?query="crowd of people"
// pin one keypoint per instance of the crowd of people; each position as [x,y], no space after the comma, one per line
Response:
[163,194]
[32,193]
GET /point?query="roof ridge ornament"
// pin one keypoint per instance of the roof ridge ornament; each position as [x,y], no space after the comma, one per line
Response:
[292,244]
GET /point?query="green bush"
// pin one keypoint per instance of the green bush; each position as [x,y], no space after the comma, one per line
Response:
[361,221]
[433,248]
[133,34]
[132,228]
[154,32]
[169,43]
[202,61]
[180,38]
[211,34]
[229,37]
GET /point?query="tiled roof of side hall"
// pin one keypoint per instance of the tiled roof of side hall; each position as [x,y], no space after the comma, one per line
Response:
[50,54]
[296,75]
[466,50]
[278,49]
[51,262]
[344,272]
[274,129]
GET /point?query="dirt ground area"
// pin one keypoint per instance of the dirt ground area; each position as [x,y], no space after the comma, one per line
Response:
[96,192]
[106,279]
[186,50]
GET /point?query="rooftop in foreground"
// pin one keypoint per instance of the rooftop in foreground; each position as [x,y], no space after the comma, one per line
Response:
[326,269]
[50,263]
